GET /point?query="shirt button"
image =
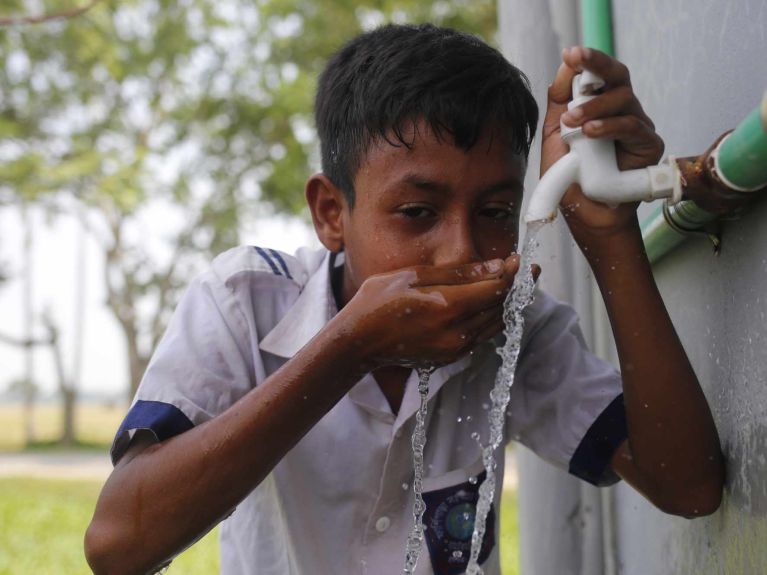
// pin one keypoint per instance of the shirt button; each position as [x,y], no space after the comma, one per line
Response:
[382,524]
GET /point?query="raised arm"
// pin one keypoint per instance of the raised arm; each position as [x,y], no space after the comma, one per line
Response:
[672,455]
[162,497]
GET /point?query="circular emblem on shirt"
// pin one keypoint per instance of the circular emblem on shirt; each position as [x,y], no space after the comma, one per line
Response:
[459,521]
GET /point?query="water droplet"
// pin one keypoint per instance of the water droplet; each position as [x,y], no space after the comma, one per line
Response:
[459,419]
[457,554]
[468,418]
[475,436]
[473,480]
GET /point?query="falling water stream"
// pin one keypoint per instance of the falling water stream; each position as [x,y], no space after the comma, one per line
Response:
[520,296]
[415,539]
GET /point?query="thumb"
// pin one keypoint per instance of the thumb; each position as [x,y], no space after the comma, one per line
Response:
[559,94]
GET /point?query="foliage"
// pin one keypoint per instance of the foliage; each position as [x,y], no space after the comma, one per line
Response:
[198,108]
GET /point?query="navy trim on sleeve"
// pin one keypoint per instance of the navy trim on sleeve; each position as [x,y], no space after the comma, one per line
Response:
[268,260]
[591,460]
[281,261]
[162,419]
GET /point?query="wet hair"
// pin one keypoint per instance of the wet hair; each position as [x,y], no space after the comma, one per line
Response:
[382,81]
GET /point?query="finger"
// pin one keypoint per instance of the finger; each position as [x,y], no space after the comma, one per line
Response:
[628,130]
[561,89]
[477,321]
[511,265]
[479,327]
[467,300]
[489,331]
[536,272]
[463,274]
[620,101]
[613,72]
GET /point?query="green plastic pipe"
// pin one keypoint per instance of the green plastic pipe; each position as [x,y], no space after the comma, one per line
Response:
[742,158]
[660,236]
[597,25]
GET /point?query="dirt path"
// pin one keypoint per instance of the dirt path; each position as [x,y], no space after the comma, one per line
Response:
[96,466]
[74,465]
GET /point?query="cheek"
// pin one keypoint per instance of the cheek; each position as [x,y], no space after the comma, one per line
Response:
[498,245]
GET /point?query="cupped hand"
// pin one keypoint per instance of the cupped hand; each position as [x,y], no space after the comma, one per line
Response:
[427,316]
[615,113]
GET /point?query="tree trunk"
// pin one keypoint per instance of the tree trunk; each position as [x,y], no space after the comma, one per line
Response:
[66,389]
[30,435]
[68,428]
[137,363]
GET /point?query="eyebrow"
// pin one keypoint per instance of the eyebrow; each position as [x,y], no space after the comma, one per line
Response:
[427,185]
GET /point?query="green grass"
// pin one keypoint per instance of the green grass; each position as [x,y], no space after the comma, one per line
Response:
[509,538]
[42,523]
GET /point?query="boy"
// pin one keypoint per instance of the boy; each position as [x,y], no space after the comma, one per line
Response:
[282,392]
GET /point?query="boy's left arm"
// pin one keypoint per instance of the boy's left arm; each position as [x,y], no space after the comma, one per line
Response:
[672,455]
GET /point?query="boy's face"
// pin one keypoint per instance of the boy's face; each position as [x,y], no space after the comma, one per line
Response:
[433,204]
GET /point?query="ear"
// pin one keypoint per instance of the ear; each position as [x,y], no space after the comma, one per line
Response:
[327,204]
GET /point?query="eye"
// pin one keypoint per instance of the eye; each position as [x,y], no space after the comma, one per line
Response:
[497,211]
[416,212]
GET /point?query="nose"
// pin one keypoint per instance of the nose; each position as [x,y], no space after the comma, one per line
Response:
[456,244]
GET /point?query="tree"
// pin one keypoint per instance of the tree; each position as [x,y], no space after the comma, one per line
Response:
[200,107]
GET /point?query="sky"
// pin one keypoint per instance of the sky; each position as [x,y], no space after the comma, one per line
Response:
[55,261]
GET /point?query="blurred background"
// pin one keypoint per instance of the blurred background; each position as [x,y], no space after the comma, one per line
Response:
[137,140]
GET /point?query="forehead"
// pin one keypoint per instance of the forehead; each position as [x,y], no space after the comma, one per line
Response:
[491,163]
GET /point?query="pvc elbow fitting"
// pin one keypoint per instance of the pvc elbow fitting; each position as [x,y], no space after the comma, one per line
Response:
[592,164]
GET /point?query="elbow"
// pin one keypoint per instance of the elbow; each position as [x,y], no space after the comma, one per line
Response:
[99,550]
[107,553]
[692,502]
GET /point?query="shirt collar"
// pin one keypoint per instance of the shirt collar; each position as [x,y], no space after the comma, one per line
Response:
[314,308]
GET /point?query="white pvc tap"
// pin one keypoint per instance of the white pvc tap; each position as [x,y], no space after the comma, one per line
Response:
[592,164]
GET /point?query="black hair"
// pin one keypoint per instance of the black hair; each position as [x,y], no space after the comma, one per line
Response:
[381,81]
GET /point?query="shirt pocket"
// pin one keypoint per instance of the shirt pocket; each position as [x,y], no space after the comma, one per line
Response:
[451,505]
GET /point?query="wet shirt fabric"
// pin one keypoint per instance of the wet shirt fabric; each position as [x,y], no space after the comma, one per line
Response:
[341,501]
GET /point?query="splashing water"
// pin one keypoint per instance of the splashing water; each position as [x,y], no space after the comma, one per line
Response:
[520,296]
[415,539]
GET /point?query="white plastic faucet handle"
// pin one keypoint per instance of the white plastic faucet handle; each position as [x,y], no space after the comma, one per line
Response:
[585,86]
[592,163]
[590,83]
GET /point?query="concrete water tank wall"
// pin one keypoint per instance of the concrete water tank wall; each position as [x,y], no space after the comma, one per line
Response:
[698,66]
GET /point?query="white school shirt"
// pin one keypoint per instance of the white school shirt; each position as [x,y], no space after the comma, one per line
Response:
[340,502]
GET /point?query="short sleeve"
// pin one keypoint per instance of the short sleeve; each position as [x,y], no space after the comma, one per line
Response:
[566,404]
[203,364]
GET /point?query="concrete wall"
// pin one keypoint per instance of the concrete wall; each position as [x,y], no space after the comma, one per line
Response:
[698,66]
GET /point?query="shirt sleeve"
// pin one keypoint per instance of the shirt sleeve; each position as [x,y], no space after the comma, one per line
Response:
[566,404]
[206,360]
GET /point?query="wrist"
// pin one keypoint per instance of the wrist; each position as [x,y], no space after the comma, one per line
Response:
[351,342]
[605,250]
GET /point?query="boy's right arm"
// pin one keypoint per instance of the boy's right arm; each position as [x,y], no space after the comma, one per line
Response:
[162,497]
